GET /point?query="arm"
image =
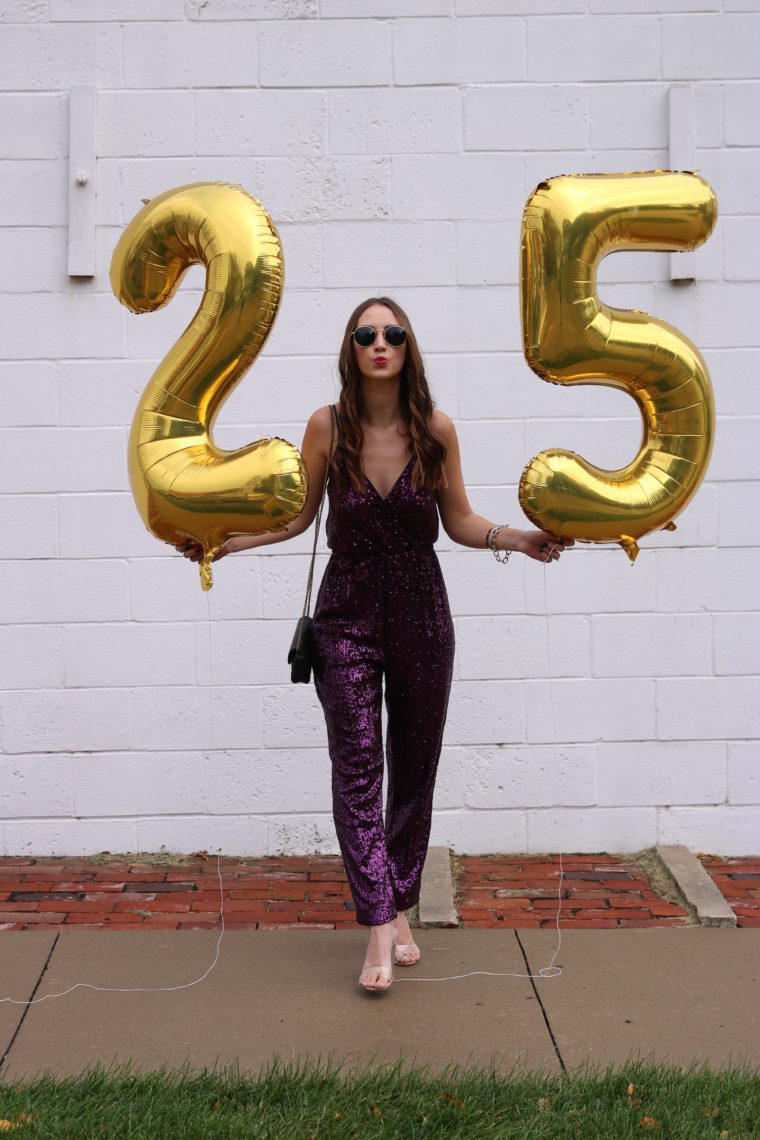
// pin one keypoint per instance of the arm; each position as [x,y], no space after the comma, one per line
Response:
[314,449]
[461,523]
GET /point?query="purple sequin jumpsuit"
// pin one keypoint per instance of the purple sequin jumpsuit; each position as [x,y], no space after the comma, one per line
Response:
[382,611]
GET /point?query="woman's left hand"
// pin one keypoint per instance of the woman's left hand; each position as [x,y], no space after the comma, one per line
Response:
[542,546]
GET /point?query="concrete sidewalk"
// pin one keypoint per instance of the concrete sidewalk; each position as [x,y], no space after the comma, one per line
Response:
[677,995]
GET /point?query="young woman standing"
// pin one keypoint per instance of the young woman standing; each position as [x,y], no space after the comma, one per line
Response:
[382,611]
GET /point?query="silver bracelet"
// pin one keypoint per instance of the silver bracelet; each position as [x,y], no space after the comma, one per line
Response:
[491,541]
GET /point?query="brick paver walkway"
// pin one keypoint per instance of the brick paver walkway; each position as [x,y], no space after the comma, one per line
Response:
[597,891]
[738,880]
[117,895]
[309,892]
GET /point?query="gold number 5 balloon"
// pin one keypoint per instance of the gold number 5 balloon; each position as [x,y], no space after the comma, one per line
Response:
[183,485]
[571,337]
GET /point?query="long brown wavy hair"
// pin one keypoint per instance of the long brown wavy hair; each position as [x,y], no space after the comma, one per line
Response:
[416,409]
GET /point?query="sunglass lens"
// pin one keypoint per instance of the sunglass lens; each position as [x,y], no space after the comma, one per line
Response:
[364,335]
[395,335]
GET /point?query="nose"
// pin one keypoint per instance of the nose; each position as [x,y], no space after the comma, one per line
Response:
[380,341]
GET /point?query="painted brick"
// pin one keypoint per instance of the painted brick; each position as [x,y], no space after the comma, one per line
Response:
[587,710]
[733,173]
[657,6]
[190,55]
[740,237]
[103,526]
[253,781]
[178,833]
[260,122]
[519,117]
[732,374]
[22,11]
[516,7]
[485,253]
[711,46]
[459,51]
[744,773]
[38,58]
[56,591]
[329,53]
[742,113]
[165,590]
[51,325]
[290,834]
[30,657]
[36,786]
[737,648]
[243,834]
[134,783]
[488,831]
[35,192]
[384,8]
[129,654]
[50,459]
[33,126]
[29,525]
[592,579]
[65,720]
[136,123]
[38,257]
[477,585]
[251,652]
[77,10]
[708,708]
[570,48]
[705,580]
[516,647]
[395,121]
[468,186]
[291,716]
[240,9]
[69,836]
[616,830]
[30,393]
[649,772]
[738,506]
[651,645]
[485,712]
[531,776]
[707,828]
[403,253]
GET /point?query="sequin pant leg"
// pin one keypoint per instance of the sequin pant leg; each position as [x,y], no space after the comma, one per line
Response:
[406,634]
[351,696]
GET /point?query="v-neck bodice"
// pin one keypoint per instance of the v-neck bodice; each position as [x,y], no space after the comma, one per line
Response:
[374,488]
[364,524]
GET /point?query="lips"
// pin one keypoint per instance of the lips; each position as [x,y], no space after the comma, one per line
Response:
[381,360]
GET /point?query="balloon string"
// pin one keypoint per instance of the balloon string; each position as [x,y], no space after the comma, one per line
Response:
[550,971]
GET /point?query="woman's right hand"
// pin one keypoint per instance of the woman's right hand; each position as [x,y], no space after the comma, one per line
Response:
[194,551]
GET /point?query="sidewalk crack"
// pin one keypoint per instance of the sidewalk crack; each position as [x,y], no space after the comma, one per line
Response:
[4,1057]
[541,1004]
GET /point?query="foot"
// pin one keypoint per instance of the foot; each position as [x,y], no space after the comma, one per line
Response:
[380,949]
[407,950]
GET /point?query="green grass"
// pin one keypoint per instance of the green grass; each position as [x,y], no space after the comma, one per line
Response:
[313,1100]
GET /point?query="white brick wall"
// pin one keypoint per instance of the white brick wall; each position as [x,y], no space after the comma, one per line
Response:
[394,142]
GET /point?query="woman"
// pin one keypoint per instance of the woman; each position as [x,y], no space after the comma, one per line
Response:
[382,611]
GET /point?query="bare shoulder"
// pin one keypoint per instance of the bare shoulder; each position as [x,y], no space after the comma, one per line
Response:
[319,428]
[443,426]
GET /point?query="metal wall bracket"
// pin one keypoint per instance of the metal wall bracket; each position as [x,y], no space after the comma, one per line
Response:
[682,155]
[82,117]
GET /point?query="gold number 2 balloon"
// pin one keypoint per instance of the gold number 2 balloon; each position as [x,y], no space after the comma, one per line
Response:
[183,485]
[571,337]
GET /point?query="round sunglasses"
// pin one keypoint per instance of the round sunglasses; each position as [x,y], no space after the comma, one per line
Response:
[365,335]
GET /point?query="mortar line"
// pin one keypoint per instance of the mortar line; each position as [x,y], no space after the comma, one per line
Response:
[4,1057]
[541,1004]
